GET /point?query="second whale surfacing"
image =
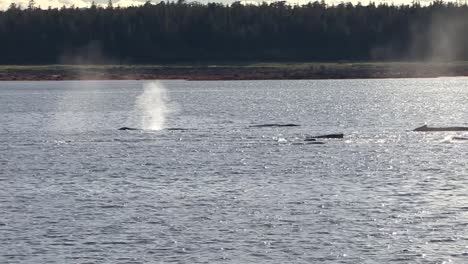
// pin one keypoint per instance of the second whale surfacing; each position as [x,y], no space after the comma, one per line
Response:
[168,129]
[128,128]
[275,125]
[425,128]
[338,135]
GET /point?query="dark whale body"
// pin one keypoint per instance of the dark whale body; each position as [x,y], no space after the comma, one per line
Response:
[312,138]
[459,138]
[425,128]
[309,143]
[275,125]
[177,129]
[169,129]
[128,128]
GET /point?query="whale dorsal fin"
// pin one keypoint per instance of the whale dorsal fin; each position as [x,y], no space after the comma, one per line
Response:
[422,128]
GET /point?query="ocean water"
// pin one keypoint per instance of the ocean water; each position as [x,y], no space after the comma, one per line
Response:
[74,189]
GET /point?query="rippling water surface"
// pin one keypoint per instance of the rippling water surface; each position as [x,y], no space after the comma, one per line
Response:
[73,189]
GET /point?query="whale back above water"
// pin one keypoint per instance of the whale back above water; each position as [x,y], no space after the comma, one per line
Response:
[128,128]
[425,128]
[339,135]
[275,125]
[169,129]
[460,138]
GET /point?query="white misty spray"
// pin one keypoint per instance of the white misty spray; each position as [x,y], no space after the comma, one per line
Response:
[152,105]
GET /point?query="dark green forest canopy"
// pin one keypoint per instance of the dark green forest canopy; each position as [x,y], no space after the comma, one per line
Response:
[196,33]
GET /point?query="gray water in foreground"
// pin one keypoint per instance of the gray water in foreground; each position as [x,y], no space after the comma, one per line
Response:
[73,189]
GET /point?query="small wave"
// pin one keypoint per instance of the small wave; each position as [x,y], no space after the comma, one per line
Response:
[133,140]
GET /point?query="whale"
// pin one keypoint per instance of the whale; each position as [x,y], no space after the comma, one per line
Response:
[312,138]
[308,143]
[275,125]
[128,128]
[459,138]
[425,128]
[169,129]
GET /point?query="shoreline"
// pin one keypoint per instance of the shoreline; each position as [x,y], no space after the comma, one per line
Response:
[257,71]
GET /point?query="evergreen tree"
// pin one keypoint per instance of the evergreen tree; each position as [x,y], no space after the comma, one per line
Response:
[189,31]
[31,4]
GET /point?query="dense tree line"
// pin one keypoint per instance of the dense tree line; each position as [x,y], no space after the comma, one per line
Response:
[192,32]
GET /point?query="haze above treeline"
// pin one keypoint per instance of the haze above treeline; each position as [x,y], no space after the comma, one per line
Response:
[182,32]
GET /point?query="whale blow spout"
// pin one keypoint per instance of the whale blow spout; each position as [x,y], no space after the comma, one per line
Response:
[153,106]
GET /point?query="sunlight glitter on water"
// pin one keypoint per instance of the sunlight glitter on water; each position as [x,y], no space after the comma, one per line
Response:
[74,187]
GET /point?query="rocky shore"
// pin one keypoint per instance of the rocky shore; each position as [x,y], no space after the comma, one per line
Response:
[261,71]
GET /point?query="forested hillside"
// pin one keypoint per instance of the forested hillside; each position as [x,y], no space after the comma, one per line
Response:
[186,32]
